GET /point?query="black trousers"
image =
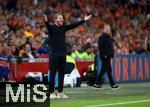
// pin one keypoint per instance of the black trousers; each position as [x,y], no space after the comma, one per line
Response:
[57,62]
[106,67]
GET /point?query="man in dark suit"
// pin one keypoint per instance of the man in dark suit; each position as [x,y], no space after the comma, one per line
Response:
[106,52]
[57,47]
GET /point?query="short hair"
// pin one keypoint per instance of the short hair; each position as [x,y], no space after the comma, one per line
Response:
[106,25]
[56,14]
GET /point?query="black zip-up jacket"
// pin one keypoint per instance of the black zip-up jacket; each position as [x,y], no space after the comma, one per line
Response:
[105,45]
[56,41]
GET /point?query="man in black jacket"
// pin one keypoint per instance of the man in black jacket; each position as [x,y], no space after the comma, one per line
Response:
[57,46]
[106,52]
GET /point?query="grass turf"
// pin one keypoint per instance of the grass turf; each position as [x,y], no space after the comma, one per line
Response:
[87,96]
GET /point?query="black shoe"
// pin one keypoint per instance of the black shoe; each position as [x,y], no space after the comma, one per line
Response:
[95,86]
[115,87]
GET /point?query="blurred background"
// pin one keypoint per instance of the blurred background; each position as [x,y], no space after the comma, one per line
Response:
[22,27]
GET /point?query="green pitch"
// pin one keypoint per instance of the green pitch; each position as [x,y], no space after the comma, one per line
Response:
[130,95]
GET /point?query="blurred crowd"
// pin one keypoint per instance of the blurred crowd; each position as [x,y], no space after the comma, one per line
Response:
[22,27]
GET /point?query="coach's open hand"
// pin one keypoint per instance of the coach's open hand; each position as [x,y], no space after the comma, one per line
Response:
[45,18]
[87,17]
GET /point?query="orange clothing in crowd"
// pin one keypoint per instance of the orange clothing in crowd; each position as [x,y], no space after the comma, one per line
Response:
[28,34]
[21,52]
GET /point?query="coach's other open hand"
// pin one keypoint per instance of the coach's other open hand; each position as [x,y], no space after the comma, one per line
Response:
[87,17]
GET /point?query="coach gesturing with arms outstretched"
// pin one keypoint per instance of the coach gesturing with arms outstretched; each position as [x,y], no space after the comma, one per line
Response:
[57,58]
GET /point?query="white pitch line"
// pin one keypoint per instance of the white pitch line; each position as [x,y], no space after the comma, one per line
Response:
[120,103]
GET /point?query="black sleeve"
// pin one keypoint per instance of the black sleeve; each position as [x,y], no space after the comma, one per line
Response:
[101,45]
[49,27]
[73,25]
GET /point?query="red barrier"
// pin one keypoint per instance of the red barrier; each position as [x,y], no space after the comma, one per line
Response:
[3,64]
[83,66]
[20,70]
